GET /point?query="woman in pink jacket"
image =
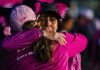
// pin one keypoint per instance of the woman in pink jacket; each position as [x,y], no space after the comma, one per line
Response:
[42,49]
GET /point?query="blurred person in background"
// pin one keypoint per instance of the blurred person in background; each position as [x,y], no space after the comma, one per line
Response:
[95,53]
[67,23]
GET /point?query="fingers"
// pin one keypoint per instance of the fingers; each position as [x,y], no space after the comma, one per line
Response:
[62,40]
[59,37]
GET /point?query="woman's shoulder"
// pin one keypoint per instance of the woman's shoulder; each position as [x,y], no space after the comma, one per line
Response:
[73,35]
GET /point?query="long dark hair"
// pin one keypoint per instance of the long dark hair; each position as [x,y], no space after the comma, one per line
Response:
[42,49]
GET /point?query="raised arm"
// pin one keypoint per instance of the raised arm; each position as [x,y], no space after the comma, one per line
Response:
[76,43]
[21,39]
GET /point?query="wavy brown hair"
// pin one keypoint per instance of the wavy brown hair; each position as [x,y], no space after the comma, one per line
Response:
[42,49]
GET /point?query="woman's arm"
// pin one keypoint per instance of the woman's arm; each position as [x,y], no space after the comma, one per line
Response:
[76,43]
[21,39]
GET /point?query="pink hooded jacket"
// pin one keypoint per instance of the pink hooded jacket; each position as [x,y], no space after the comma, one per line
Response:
[19,55]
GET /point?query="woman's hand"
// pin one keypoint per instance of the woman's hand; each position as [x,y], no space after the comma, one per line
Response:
[59,37]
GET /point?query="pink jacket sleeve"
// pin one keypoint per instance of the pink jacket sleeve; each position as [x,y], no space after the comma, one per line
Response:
[21,39]
[76,43]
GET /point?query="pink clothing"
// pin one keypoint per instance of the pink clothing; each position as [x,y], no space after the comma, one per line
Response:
[62,9]
[48,1]
[75,62]
[9,3]
[20,57]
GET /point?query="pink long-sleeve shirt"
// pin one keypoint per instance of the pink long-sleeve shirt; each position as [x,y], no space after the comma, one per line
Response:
[19,55]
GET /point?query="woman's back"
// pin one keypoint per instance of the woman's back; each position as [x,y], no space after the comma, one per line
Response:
[22,57]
